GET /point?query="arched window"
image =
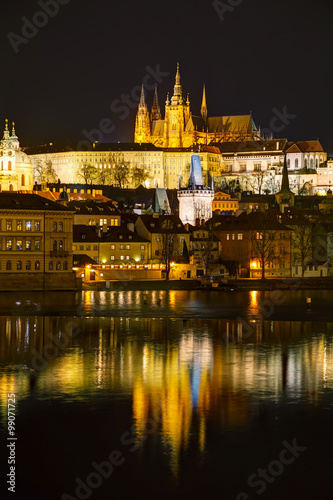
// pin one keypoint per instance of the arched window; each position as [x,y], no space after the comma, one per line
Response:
[54,226]
[61,226]
[50,265]
[54,245]
[22,180]
[65,266]
[296,162]
[28,265]
[61,245]
[317,162]
[19,265]
[37,265]
[288,163]
[11,187]
[311,162]
[58,266]
[306,162]
[9,265]
[9,165]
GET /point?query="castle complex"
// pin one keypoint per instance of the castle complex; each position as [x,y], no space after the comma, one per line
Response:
[181,129]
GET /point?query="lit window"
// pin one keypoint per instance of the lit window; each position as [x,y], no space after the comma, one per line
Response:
[19,265]
[228,236]
[88,247]
[18,244]
[54,226]
[9,244]
[111,257]
[122,247]
[58,266]
[19,225]
[142,247]
[28,225]
[61,226]
[121,257]
[113,247]
[240,236]
[37,225]
[9,225]
[37,265]
[37,244]
[128,257]
[127,247]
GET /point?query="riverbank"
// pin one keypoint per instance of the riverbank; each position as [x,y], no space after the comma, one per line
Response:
[240,284]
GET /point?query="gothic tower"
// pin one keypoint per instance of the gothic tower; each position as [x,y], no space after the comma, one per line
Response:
[155,113]
[204,112]
[195,202]
[142,122]
[177,113]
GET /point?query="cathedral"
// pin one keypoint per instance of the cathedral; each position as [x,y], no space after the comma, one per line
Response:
[16,168]
[181,129]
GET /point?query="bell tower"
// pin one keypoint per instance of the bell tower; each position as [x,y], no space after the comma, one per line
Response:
[177,113]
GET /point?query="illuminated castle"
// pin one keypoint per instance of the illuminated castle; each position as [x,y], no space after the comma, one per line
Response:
[16,167]
[181,129]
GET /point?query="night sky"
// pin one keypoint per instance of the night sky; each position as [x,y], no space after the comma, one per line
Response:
[260,56]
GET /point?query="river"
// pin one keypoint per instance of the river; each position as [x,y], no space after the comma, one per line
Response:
[159,394]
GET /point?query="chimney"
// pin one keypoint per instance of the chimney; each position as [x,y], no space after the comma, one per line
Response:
[277,145]
[197,222]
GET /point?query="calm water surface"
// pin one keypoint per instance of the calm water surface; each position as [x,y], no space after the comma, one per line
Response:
[199,393]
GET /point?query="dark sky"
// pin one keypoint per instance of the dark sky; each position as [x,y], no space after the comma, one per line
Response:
[264,56]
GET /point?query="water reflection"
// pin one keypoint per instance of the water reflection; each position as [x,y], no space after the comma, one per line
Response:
[192,373]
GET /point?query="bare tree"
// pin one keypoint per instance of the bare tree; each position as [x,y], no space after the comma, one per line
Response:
[88,173]
[256,181]
[208,248]
[120,170]
[44,169]
[302,243]
[139,176]
[169,244]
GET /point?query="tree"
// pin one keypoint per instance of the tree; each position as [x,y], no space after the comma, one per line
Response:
[120,171]
[267,240]
[88,173]
[139,176]
[302,242]
[256,181]
[46,168]
[208,253]
[169,244]
[104,175]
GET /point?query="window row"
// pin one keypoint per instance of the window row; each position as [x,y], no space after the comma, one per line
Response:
[36,266]
[19,245]
[88,247]
[233,236]
[20,225]
[57,226]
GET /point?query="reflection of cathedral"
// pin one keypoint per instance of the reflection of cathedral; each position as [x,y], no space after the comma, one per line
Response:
[16,167]
[181,129]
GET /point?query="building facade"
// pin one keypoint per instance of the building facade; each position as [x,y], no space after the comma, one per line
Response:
[36,239]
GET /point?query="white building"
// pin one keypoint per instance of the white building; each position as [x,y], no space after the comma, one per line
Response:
[16,167]
[195,202]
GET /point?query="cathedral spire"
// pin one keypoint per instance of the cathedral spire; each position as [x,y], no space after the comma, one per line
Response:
[177,97]
[155,110]
[142,97]
[204,104]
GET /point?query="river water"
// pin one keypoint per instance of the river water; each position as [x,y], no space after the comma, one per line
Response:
[160,394]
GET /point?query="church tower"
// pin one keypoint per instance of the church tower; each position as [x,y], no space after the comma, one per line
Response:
[204,112]
[195,202]
[155,113]
[142,123]
[285,197]
[16,170]
[177,114]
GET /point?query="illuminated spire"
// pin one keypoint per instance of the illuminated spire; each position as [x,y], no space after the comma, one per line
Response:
[285,179]
[188,100]
[142,97]
[177,90]
[6,131]
[204,104]
[13,136]
[167,102]
[155,110]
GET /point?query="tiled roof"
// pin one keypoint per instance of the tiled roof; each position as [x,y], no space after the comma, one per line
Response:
[122,234]
[272,146]
[159,224]
[305,147]
[20,201]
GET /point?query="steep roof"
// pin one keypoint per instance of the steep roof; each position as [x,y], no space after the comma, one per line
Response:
[254,221]
[123,234]
[304,147]
[84,234]
[234,124]
[160,224]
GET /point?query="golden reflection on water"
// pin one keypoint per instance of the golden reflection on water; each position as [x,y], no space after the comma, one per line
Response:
[187,372]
